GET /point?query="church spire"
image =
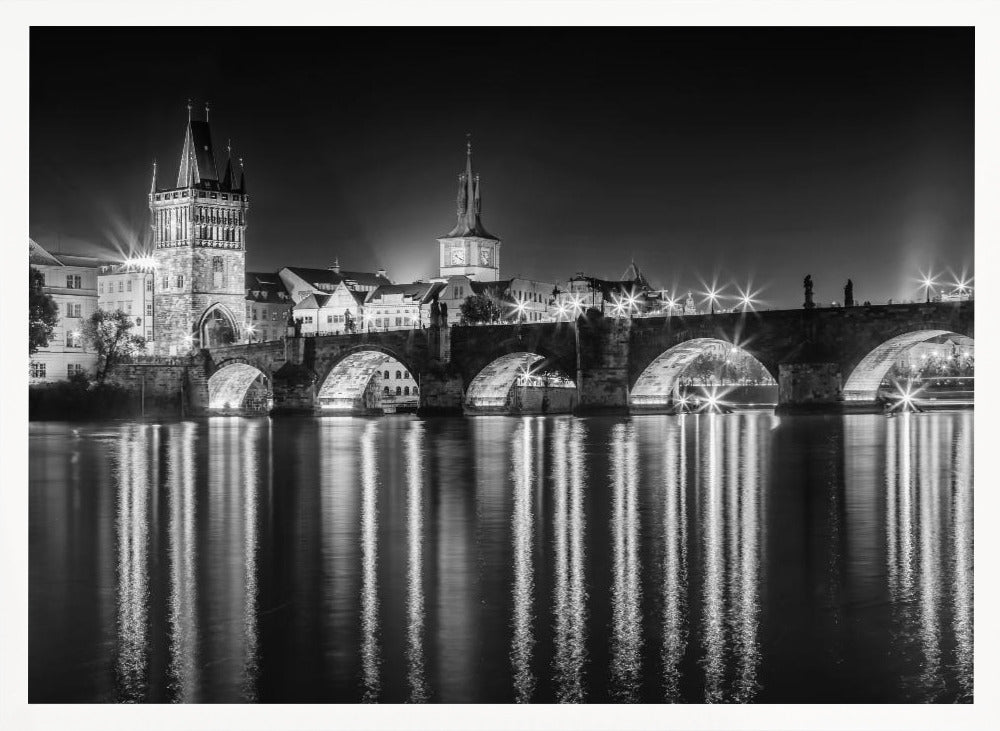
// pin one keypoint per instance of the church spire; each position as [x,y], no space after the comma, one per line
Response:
[152,185]
[469,201]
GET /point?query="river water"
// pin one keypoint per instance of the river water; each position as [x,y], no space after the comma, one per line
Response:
[725,558]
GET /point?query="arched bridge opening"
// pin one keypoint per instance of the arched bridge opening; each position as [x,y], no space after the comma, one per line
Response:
[934,363]
[369,382]
[239,386]
[519,383]
[690,373]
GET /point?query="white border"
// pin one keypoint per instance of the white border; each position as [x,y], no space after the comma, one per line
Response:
[16,17]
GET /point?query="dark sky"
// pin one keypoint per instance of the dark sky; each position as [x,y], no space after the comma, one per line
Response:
[701,153]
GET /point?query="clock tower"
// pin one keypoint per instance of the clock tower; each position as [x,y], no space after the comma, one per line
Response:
[469,249]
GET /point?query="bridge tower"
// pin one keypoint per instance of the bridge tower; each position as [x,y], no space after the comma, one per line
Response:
[199,246]
[469,249]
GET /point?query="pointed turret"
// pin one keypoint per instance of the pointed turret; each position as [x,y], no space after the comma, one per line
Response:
[197,166]
[228,179]
[152,185]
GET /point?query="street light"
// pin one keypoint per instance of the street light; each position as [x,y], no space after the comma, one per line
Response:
[927,280]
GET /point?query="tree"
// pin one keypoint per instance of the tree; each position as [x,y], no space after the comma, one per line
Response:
[43,313]
[109,334]
[479,309]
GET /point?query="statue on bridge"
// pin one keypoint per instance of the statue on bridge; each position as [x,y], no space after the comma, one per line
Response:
[807,284]
[849,294]
[349,327]
[435,313]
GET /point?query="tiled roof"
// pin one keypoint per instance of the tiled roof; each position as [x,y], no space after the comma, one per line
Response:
[316,277]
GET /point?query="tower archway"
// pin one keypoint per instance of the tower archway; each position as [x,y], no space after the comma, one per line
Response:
[218,327]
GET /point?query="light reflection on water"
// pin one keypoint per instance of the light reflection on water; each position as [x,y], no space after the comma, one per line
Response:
[719,558]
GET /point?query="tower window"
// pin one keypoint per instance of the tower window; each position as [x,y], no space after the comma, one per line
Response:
[180,281]
[166,282]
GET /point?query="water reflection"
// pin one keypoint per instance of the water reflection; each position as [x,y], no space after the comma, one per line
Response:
[626,591]
[522,641]
[133,480]
[675,557]
[184,663]
[505,555]
[415,580]
[569,598]
[928,498]
[731,524]
[370,652]
[961,529]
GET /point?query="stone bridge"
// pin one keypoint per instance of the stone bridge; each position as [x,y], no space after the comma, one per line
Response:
[825,359]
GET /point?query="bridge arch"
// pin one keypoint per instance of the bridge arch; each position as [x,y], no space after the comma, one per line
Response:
[545,387]
[866,377]
[356,381]
[230,383]
[662,377]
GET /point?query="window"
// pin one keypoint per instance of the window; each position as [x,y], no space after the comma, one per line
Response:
[121,286]
[38,370]
[414,390]
[166,282]
[73,368]
[254,313]
[329,319]
[128,285]
[385,391]
[399,391]
[73,339]
[149,310]
[128,307]
[406,374]
[386,375]
[217,272]
[100,288]
[73,281]
[406,390]
[308,319]
[378,322]
[398,375]
[274,314]
[399,321]
[180,281]
[149,284]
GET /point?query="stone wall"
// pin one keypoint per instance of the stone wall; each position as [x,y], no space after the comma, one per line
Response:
[809,386]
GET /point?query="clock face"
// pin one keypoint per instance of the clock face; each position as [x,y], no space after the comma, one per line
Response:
[458,256]
[485,256]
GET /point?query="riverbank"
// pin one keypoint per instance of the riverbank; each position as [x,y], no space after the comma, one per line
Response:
[76,399]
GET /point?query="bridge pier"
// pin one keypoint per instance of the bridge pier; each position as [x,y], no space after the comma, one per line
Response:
[810,388]
[440,394]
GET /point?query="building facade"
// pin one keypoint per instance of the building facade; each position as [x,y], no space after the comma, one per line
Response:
[199,248]
[71,281]
[268,306]
[401,306]
[129,287]
[469,249]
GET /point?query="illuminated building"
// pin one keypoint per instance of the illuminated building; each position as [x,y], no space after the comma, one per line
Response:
[71,281]
[300,282]
[199,247]
[521,299]
[267,306]
[469,249]
[129,287]
[400,306]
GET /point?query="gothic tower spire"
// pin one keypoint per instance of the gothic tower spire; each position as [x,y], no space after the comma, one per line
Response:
[469,249]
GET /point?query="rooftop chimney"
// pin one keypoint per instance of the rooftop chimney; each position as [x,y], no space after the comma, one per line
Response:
[381,273]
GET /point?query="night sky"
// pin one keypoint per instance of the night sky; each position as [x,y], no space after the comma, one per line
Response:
[733,154]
